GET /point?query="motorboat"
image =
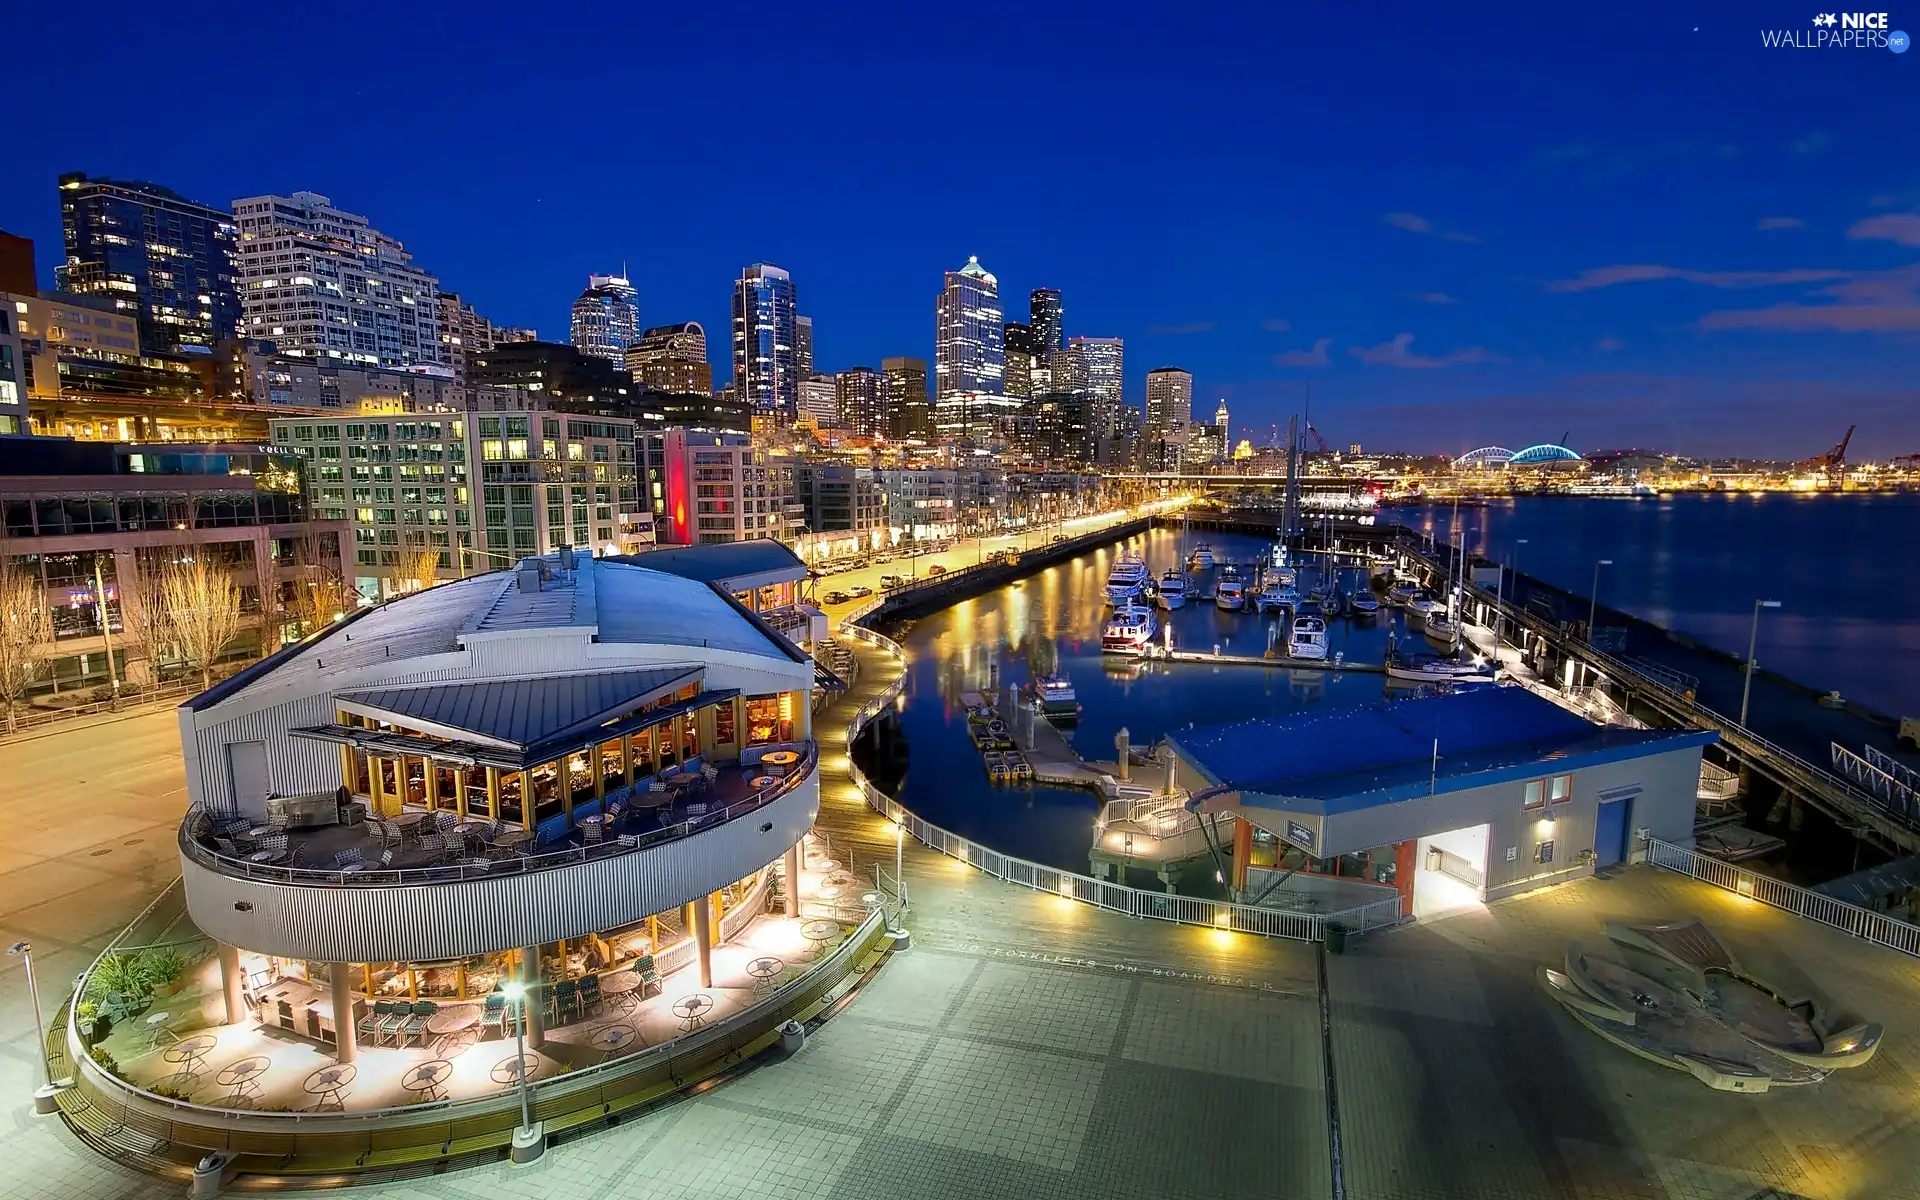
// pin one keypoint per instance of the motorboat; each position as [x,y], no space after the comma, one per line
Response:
[1173,588]
[1202,557]
[1128,578]
[1424,602]
[1436,668]
[1443,629]
[1402,591]
[1057,701]
[1363,603]
[1308,639]
[1278,595]
[1230,594]
[1129,631]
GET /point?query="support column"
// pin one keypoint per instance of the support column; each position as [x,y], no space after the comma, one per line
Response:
[534,1005]
[1242,852]
[792,868]
[346,1028]
[702,911]
[230,982]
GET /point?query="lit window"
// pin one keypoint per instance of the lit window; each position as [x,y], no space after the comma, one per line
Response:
[1536,794]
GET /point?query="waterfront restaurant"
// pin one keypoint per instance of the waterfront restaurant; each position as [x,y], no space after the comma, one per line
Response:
[582,776]
[1451,801]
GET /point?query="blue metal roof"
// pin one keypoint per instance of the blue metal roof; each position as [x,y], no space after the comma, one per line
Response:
[1330,760]
[519,712]
[721,562]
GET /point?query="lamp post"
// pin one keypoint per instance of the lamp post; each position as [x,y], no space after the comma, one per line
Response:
[43,1096]
[899,853]
[1593,597]
[1753,641]
[526,1142]
[1513,568]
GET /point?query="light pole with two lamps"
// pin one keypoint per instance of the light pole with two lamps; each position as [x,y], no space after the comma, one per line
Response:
[529,1141]
[1593,598]
[1753,642]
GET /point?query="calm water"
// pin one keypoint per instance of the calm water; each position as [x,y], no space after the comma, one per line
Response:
[1845,568]
[1055,617]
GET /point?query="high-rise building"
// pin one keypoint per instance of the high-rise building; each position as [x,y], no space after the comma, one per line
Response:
[1100,362]
[1024,357]
[555,373]
[463,334]
[672,358]
[710,487]
[1046,317]
[908,413]
[1169,411]
[803,347]
[969,357]
[1220,417]
[17,272]
[765,367]
[162,258]
[321,282]
[606,318]
[820,401]
[862,395]
[13,370]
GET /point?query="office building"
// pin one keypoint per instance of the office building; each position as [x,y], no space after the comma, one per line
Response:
[475,491]
[844,507]
[672,358]
[556,372]
[969,356]
[708,487]
[98,522]
[165,260]
[1046,318]
[1024,358]
[862,396]
[13,370]
[909,413]
[606,318]
[766,372]
[1098,365]
[803,347]
[820,402]
[1168,414]
[17,271]
[321,282]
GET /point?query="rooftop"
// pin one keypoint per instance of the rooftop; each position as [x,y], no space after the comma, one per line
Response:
[733,565]
[1348,758]
[518,711]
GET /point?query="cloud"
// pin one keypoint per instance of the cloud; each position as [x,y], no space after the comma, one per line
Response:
[1409,222]
[1813,143]
[1767,223]
[1316,357]
[1434,298]
[1865,302]
[1893,227]
[1399,353]
[1276,324]
[1454,235]
[1178,330]
[1602,277]
[1609,344]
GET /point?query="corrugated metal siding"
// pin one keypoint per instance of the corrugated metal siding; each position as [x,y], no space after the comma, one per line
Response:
[448,920]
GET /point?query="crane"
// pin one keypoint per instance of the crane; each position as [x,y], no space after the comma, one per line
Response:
[1834,459]
[1319,442]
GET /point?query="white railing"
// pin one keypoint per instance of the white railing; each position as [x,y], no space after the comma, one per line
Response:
[1838,914]
[1114,897]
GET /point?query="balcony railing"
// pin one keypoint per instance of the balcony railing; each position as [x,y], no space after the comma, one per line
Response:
[197,825]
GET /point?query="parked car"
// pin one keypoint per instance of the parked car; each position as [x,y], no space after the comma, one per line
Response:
[835,598]
[890,582]
[1059,537]
[859,593]
[936,570]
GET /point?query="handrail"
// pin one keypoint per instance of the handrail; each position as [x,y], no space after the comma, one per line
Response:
[520,864]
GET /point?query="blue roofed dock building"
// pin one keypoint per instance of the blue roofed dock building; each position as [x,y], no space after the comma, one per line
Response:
[1452,801]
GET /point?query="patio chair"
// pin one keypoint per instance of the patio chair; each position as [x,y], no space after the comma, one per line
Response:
[615,814]
[446,822]
[593,832]
[396,1019]
[433,845]
[566,1001]
[710,772]
[120,1007]
[649,975]
[349,859]
[697,808]
[413,1027]
[590,995]
[656,784]
[493,1014]
[370,1025]
[228,847]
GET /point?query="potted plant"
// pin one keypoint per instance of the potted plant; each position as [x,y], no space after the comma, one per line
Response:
[86,1016]
[161,970]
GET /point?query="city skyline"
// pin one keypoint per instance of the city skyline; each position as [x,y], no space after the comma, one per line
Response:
[1661,269]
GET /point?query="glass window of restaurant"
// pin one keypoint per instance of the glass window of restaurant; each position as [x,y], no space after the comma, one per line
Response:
[769,719]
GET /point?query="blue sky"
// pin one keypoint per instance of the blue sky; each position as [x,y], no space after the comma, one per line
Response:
[1630,223]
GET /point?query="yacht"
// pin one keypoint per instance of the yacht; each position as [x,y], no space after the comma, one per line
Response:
[1402,591]
[1128,578]
[1278,594]
[1173,589]
[1202,557]
[1442,629]
[1057,701]
[1229,594]
[1129,631]
[1436,668]
[1423,602]
[1363,603]
[1308,639]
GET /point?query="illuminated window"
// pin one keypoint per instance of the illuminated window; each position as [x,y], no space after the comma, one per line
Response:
[1536,794]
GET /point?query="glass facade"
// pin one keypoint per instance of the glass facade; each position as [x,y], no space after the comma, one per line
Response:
[162,258]
[766,370]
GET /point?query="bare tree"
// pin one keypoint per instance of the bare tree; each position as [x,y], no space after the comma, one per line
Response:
[319,595]
[26,631]
[143,608]
[419,567]
[202,602]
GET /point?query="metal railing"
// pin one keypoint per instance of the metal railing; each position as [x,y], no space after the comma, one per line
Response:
[1113,897]
[1837,914]
[376,876]
[1894,795]
[129,702]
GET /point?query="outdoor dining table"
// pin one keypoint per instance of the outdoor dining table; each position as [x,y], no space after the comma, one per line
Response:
[620,987]
[157,1031]
[781,758]
[819,932]
[511,1068]
[762,781]
[328,1083]
[242,1076]
[692,1010]
[511,841]
[448,1024]
[612,1039]
[408,822]
[426,1078]
[764,971]
[190,1053]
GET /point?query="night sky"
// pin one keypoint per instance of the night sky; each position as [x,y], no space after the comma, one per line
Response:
[1628,223]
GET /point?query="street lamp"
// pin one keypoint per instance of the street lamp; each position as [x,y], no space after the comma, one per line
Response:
[1753,640]
[1593,597]
[516,993]
[1513,568]
[43,1096]
[899,852]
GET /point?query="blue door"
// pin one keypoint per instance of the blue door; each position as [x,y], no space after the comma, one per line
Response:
[1610,833]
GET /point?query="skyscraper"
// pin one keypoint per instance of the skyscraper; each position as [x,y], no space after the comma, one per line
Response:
[323,283]
[164,260]
[969,358]
[862,397]
[908,413]
[672,358]
[803,347]
[1024,357]
[820,401]
[1169,409]
[606,318]
[1220,417]
[1047,318]
[1100,362]
[765,334]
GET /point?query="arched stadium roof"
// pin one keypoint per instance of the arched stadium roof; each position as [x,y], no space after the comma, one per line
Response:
[1544,453]
[1485,456]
